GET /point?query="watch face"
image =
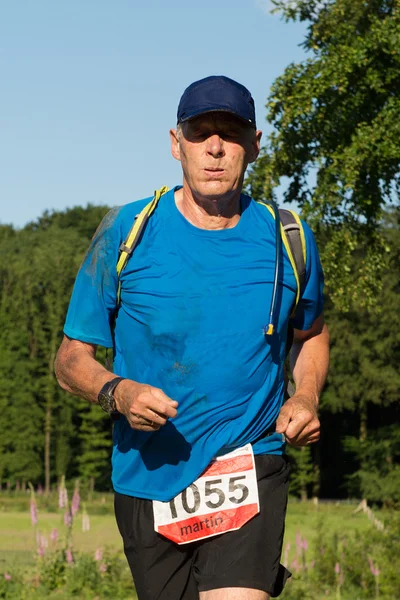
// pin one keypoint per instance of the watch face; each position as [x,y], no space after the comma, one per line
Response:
[106,395]
[107,402]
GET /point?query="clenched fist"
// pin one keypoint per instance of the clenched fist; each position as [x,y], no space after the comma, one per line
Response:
[298,420]
[146,408]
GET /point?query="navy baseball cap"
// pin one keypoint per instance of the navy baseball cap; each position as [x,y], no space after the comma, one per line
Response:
[216,93]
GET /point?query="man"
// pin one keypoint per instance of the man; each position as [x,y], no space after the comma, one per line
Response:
[198,377]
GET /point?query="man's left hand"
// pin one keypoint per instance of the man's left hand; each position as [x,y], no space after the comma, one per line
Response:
[298,420]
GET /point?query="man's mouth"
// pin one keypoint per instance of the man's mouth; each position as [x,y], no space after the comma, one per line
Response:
[214,170]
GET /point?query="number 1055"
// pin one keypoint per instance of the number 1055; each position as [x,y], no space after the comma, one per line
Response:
[214,496]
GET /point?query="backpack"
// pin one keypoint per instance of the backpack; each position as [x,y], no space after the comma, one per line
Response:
[291,233]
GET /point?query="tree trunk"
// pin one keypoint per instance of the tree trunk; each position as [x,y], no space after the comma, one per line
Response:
[363,422]
[91,488]
[47,440]
[363,434]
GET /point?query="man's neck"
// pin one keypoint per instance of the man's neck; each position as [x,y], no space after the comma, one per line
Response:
[204,213]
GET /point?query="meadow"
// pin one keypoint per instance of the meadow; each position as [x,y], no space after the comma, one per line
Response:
[318,548]
[18,542]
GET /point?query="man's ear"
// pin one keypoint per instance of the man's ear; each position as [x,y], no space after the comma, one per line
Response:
[175,148]
[256,145]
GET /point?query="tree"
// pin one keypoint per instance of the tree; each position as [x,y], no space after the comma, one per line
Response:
[95,447]
[301,476]
[21,442]
[37,271]
[336,135]
[364,379]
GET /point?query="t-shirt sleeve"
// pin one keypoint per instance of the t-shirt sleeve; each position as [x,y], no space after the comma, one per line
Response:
[94,296]
[311,303]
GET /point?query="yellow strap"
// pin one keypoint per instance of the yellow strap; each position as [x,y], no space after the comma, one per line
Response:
[130,240]
[288,250]
[144,214]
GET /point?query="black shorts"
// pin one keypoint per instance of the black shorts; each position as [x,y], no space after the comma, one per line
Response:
[248,557]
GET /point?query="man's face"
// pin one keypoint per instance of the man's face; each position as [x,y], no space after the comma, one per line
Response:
[214,150]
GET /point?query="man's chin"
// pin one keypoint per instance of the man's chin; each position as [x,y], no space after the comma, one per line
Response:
[215,189]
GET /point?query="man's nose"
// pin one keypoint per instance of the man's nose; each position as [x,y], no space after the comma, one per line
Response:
[215,146]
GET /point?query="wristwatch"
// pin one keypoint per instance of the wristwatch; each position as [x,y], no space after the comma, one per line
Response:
[106,395]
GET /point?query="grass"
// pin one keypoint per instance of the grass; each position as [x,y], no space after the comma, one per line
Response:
[18,540]
[18,543]
[303,519]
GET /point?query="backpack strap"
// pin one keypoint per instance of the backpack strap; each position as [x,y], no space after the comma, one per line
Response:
[134,235]
[292,235]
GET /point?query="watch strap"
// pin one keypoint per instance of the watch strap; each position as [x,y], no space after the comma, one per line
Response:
[106,395]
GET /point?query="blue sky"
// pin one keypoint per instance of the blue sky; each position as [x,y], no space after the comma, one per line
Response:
[89,91]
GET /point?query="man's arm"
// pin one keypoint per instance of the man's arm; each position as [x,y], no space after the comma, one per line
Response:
[147,408]
[309,361]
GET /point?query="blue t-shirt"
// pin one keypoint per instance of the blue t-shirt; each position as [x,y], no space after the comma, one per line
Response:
[193,306]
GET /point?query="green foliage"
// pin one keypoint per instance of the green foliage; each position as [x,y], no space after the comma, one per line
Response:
[51,571]
[95,439]
[82,220]
[351,566]
[11,586]
[61,569]
[37,270]
[336,136]
[84,578]
[301,474]
[379,457]
[364,383]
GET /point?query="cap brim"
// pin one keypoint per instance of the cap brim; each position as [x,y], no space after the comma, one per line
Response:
[213,110]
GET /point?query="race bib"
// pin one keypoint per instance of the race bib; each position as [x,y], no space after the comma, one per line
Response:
[222,499]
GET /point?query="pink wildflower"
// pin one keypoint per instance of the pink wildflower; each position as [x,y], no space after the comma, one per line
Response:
[295,565]
[337,568]
[298,543]
[54,535]
[42,544]
[33,507]
[76,499]
[61,500]
[68,518]
[85,521]
[62,494]
[7,577]
[69,557]
[304,544]
[374,570]
[103,567]
[98,555]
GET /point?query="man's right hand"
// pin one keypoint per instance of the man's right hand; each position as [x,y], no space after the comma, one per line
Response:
[146,408]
